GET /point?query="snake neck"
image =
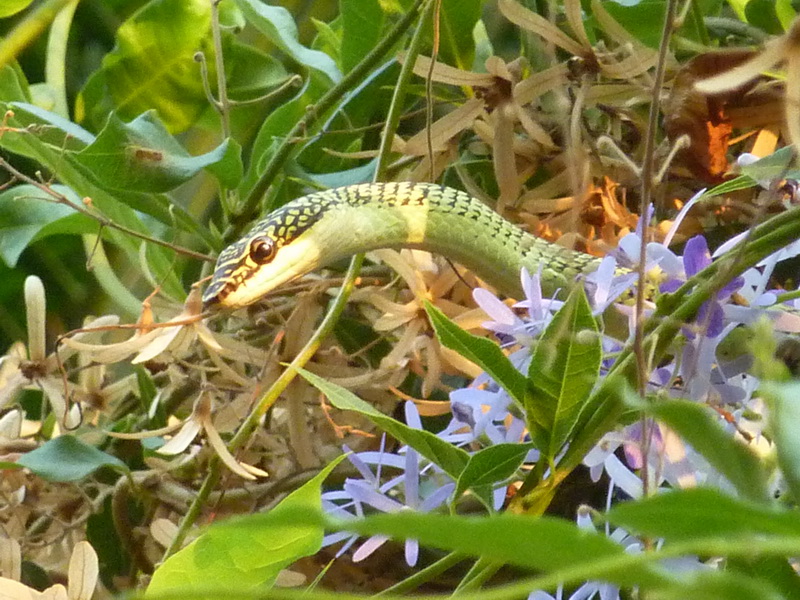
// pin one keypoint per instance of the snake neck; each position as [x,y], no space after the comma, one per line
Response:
[321,228]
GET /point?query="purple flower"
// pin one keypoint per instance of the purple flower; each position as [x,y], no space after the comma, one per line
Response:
[696,257]
[403,492]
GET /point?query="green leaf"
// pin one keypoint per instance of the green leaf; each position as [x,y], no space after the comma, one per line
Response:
[277,125]
[541,543]
[277,24]
[702,513]
[490,466]
[784,412]
[249,71]
[484,353]
[738,7]
[721,585]
[762,14]
[452,460]
[152,66]
[774,166]
[775,569]
[785,13]
[66,458]
[12,7]
[247,552]
[362,24]
[698,426]
[458,19]
[563,370]
[143,156]
[28,214]
[13,85]
[643,20]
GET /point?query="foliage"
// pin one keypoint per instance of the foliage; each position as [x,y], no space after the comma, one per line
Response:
[139,139]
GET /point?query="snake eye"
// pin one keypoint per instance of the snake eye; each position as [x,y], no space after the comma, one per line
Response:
[262,249]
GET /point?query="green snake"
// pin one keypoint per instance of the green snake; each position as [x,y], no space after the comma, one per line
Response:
[318,229]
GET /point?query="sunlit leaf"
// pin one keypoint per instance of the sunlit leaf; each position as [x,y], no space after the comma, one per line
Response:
[12,7]
[13,85]
[153,66]
[541,543]
[247,552]
[52,141]
[721,585]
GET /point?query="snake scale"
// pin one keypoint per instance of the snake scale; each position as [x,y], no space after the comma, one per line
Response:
[318,229]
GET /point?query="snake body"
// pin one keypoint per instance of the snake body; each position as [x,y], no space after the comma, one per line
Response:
[323,227]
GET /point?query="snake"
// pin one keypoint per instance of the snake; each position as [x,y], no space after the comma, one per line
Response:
[323,227]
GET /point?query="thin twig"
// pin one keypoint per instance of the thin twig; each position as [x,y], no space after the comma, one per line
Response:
[648,180]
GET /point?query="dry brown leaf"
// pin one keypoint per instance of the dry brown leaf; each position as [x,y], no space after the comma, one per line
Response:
[446,74]
[10,558]
[538,84]
[519,15]
[445,129]
[83,572]
[574,14]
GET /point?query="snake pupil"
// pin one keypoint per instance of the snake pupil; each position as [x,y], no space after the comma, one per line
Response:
[262,250]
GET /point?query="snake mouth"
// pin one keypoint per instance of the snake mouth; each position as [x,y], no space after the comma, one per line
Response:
[215,294]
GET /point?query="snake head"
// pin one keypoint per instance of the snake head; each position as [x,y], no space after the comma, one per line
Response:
[277,249]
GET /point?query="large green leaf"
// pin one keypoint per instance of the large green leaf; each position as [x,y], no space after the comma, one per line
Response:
[143,156]
[278,25]
[702,512]
[452,460]
[362,23]
[563,370]
[696,424]
[66,458]
[153,66]
[247,552]
[484,353]
[28,214]
[541,543]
